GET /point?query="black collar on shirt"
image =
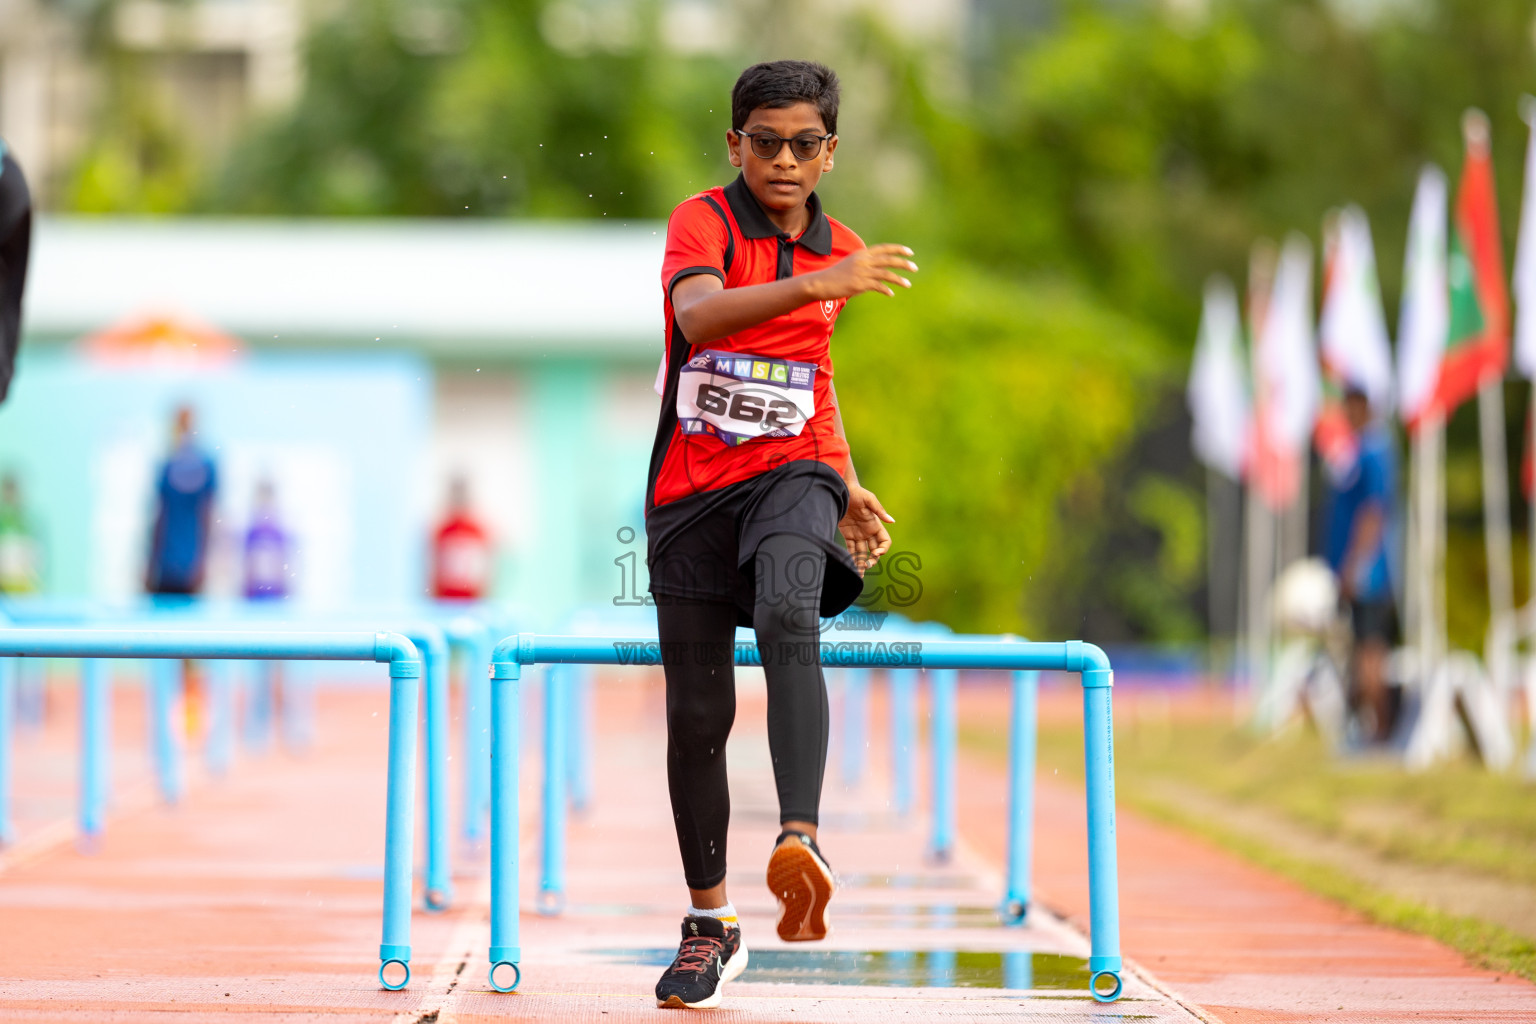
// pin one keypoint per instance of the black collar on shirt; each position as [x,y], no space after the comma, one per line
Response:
[754,222]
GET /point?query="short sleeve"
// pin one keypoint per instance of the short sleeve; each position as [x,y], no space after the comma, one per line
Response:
[1374,485]
[696,242]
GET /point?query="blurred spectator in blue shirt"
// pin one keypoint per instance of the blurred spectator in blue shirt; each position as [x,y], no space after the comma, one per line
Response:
[1361,510]
[178,551]
[267,549]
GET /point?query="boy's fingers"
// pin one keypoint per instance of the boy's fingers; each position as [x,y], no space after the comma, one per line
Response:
[874,506]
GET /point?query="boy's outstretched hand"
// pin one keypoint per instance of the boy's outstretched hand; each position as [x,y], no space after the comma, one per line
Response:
[863,527]
[868,270]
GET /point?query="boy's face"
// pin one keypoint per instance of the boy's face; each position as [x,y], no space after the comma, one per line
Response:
[784,182]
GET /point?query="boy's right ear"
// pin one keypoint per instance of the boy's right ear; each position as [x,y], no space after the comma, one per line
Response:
[733,147]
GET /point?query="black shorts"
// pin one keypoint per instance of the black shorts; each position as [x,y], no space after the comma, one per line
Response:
[704,546]
[1374,620]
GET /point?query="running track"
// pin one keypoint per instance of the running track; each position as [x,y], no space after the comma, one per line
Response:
[258,898]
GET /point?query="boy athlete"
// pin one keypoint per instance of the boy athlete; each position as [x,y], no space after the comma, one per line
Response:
[750,485]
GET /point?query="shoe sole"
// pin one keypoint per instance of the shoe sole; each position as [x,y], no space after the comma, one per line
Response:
[676,1002]
[803,886]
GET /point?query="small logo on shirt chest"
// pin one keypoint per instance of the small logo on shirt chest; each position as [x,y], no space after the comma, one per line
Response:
[829,308]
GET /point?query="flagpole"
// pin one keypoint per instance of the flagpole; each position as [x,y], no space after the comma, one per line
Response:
[1213,599]
[1413,526]
[1501,586]
[1261,556]
[1521,673]
[1439,641]
[1430,515]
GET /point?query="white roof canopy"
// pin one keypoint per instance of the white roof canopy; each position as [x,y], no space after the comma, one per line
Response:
[447,287]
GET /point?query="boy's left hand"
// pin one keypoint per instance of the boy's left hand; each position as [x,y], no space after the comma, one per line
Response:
[863,527]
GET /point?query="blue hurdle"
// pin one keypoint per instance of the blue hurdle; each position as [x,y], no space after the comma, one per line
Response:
[474,641]
[513,652]
[405,670]
[7,730]
[854,725]
[558,685]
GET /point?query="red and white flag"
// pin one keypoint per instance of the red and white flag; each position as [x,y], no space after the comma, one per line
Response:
[1218,383]
[1287,387]
[1425,317]
[1477,345]
[1352,335]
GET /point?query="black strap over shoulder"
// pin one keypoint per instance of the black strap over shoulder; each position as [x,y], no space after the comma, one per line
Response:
[730,236]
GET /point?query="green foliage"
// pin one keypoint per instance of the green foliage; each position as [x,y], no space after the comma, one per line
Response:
[984,409]
[504,125]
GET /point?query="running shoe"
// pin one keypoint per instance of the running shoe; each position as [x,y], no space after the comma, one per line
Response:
[703,964]
[802,883]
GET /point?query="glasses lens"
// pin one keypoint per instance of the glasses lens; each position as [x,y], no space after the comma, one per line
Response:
[806,147]
[766,146]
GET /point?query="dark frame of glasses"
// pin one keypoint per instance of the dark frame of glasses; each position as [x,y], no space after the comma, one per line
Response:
[779,140]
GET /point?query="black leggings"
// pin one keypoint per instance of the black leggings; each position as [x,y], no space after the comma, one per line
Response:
[701,699]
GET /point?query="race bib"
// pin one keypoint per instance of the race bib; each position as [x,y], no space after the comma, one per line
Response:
[740,397]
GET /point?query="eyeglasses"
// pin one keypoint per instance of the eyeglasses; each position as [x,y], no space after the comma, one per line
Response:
[767,145]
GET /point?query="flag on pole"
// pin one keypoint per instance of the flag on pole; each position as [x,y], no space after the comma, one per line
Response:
[1287,387]
[1477,346]
[1426,301]
[1352,335]
[1218,386]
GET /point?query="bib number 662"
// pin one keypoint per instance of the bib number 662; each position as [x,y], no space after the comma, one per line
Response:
[746,407]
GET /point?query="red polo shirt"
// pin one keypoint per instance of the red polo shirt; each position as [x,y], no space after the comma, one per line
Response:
[725,232]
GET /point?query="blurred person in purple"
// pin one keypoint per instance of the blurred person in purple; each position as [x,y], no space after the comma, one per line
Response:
[185,491]
[1357,543]
[15,246]
[268,549]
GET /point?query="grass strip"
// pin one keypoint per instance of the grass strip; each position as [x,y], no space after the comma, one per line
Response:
[1221,761]
[1484,943]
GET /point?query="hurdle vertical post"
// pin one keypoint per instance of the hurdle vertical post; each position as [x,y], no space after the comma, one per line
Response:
[855,725]
[903,690]
[8,693]
[579,750]
[476,770]
[405,671]
[506,723]
[943,741]
[95,744]
[261,692]
[297,717]
[1103,862]
[219,742]
[1021,796]
[438,873]
[557,703]
[165,734]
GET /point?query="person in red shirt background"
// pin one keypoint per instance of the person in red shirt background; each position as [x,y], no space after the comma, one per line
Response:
[461,550]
